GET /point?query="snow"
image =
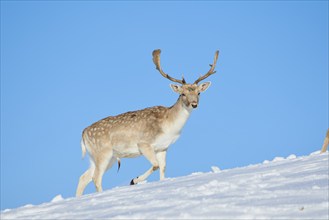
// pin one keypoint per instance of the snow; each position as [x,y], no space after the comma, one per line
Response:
[57,198]
[284,188]
[215,169]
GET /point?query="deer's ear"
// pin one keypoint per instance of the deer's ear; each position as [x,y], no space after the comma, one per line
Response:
[176,88]
[204,86]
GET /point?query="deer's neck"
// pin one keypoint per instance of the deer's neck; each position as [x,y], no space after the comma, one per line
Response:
[178,115]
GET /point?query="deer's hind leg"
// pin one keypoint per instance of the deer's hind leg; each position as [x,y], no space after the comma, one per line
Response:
[85,179]
[102,163]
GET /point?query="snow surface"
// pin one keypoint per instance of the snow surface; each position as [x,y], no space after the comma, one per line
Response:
[284,188]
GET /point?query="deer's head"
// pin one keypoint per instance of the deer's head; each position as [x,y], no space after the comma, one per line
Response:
[189,93]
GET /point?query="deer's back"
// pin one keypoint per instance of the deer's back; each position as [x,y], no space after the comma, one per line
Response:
[124,131]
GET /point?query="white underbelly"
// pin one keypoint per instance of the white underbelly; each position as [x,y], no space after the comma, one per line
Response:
[131,150]
[126,151]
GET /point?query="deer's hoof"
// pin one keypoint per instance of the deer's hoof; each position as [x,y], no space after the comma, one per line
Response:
[132,182]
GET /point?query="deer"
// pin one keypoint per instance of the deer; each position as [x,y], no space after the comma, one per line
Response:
[148,132]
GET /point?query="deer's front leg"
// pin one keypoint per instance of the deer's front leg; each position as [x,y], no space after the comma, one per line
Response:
[149,153]
[161,156]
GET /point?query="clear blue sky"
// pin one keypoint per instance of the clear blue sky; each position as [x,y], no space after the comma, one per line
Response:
[65,65]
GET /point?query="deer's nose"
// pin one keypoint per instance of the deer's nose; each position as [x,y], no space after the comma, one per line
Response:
[194,105]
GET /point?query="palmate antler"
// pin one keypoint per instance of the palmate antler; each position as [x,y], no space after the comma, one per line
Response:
[156,61]
[211,71]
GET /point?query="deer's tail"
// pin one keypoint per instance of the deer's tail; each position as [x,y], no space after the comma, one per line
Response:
[83,148]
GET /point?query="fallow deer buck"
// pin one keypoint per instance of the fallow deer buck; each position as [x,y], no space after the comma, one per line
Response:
[147,132]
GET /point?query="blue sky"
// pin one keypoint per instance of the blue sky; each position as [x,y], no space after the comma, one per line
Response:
[65,65]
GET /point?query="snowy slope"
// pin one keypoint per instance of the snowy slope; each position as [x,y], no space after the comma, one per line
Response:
[286,188]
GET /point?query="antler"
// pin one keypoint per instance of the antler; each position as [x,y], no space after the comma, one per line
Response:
[211,71]
[156,61]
